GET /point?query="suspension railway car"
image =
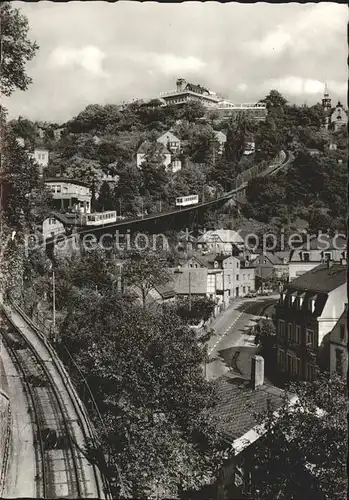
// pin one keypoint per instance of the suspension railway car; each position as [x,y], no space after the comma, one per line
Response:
[98,218]
[185,201]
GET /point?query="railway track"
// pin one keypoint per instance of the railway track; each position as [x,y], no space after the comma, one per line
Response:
[62,469]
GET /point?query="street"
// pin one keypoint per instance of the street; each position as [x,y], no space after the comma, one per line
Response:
[230,347]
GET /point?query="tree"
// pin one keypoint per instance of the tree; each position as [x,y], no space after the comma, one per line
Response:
[22,189]
[105,198]
[16,49]
[145,270]
[146,374]
[240,128]
[274,100]
[126,192]
[153,171]
[264,196]
[304,452]
[201,309]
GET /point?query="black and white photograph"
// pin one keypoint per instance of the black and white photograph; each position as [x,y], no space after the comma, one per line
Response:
[173,250]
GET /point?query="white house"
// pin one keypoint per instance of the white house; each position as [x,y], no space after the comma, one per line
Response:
[170,141]
[220,241]
[70,194]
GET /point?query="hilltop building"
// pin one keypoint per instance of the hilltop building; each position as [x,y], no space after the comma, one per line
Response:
[336,116]
[187,92]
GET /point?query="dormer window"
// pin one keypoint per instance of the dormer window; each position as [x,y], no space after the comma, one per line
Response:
[293,298]
[301,299]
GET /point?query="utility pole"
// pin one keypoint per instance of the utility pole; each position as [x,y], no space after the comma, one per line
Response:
[189,282]
[120,206]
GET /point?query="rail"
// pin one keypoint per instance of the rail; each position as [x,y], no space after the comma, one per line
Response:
[248,174]
[82,417]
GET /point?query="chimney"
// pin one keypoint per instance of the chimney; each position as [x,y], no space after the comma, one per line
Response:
[257,371]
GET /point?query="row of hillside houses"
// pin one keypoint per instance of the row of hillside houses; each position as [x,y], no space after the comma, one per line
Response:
[170,146]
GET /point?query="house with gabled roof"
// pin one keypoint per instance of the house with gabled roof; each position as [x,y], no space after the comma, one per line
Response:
[239,399]
[308,309]
[172,143]
[220,240]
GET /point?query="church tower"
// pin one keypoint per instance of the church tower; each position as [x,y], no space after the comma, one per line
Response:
[326,100]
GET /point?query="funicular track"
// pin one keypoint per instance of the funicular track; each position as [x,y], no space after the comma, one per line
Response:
[60,462]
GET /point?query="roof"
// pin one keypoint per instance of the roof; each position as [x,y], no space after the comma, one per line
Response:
[67,180]
[169,136]
[67,220]
[323,241]
[238,403]
[321,278]
[273,259]
[146,146]
[223,235]
[197,88]
[198,280]
[283,255]
[167,290]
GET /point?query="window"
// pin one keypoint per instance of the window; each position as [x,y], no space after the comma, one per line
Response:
[281,359]
[243,289]
[310,372]
[289,331]
[342,331]
[237,277]
[306,256]
[298,335]
[58,189]
[339,361]
[310,338]
[281,328]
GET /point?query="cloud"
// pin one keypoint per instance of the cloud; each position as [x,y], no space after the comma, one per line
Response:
[297,86]
[171,64]
[88,58]
[310,30]
[103,52]
[272,44]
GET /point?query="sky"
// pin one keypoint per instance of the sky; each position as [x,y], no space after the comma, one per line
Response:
[107,53]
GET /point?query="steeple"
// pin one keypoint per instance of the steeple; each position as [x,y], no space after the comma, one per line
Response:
[326,100]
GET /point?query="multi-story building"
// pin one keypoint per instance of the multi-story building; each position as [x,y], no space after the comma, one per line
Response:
[69,194]
[187,92]
[41,157]
[308,309]
[339,117]
[174,165]
[237,276]
[316,251]
[271,267]
[338,345]
[199,282]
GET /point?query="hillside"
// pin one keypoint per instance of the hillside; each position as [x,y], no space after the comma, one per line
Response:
[105,139]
